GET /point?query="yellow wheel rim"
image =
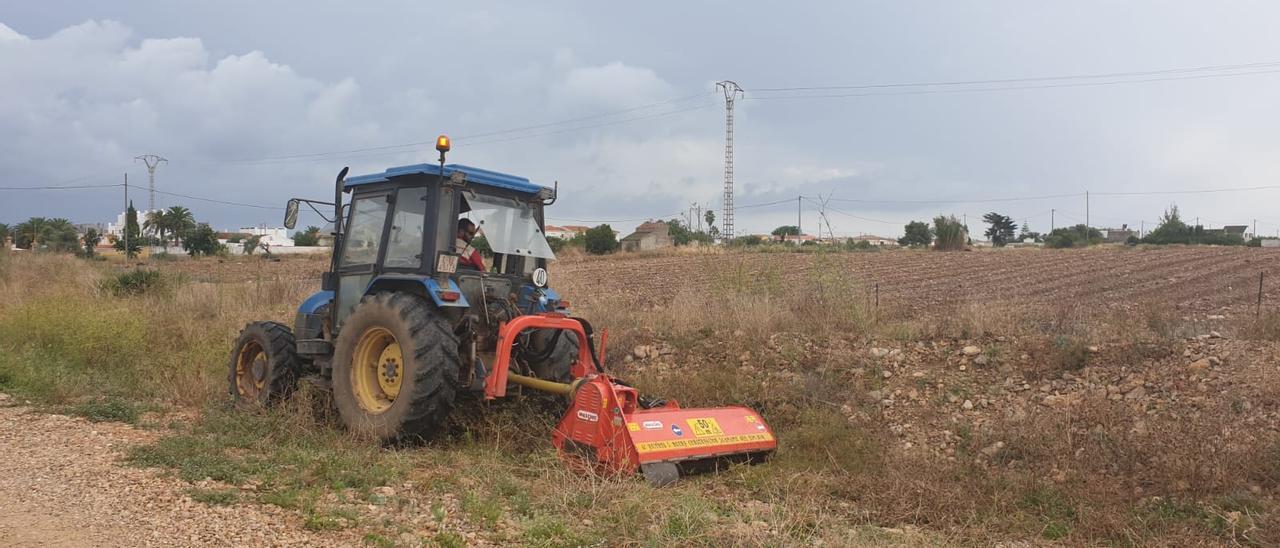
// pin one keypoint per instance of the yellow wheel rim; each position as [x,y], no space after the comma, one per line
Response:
[377,368]
[251,370]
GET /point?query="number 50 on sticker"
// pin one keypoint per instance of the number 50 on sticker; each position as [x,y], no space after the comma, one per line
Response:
[705,427]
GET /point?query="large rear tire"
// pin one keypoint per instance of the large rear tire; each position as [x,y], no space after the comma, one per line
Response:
[264,364]
[395,368]
[553,354]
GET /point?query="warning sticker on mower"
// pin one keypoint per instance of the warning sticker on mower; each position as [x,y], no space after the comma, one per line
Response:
[705,427]
[694,443]
[588,416]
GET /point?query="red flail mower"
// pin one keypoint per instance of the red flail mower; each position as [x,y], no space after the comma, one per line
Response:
[611,429]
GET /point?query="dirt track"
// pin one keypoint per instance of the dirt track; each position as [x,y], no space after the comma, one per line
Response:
[61,484]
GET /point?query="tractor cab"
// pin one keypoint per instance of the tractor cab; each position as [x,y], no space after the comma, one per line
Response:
[401,233]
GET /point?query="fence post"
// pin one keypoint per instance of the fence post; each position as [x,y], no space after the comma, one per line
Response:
[1258,311]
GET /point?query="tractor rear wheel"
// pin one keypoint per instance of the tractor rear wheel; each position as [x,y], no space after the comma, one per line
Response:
[553,354]
[264,364]
[395,368]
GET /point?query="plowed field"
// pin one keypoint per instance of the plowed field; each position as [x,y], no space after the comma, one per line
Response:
[912,283]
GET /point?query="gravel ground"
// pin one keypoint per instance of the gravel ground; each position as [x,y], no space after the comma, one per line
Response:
[61,484]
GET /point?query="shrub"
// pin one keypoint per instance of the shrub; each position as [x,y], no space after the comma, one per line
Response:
[134,282]
[916,233]
[751,240]
[951,234]
[600,240]
[307,238]
[1074,236]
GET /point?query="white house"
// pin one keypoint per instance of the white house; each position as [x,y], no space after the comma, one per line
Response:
[273,237]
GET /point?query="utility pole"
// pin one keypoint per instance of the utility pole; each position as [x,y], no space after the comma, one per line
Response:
[798,217]
[1051,223]
[1142,227]
[126,217]
[731,92]
[1255,229]
[1086,215]
[152,162]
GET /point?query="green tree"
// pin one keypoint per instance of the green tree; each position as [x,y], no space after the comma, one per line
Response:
[307,238]
[60,235]
[1002,228]
[156,225]
[786,230]
[179,222]
[481,244]
[1073,236]
[202,240]
[4,234]
[91,239]
[600,240]
[710,218]
[1170,229]
[27,233]
[682,235]
[916,234]
[132,234]
[251,244]
[950,233]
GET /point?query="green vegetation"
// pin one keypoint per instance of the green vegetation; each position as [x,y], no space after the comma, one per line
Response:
[683,235]
[133,282]
[214,497]
[91,240]
[202,240]
[1172,230]
[950,234]
[916,234]
[786,230]
[600,240]
[1074,236]
[56,235]
[309,237]
[132,234]
[1002,228]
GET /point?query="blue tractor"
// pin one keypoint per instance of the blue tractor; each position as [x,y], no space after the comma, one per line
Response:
[399,329]
[405,324]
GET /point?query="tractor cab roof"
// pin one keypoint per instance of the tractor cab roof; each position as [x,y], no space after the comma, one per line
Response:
[474,176]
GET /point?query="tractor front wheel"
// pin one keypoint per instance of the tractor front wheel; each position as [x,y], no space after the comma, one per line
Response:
[264,364]
[395,368]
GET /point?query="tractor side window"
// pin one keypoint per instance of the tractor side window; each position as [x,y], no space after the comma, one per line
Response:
[404,246]
[364,232]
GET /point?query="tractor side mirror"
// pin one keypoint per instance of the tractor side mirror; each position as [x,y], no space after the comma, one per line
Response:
[291,214]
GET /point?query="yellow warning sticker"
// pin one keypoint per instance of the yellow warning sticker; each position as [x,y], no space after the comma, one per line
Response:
[695,443]
[633,427]
[705,427]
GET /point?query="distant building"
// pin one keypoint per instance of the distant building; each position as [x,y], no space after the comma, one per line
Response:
[649,235]
[874,240]
[564,232]
[273,237]
[1271,242]
[1120,235]
[117,228]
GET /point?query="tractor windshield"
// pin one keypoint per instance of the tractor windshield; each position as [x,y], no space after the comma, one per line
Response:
[509,226]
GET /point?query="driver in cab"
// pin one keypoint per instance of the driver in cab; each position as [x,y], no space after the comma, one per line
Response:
[468,256]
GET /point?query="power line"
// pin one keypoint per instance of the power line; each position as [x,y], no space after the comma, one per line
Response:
[72,187]
[1034,78]
[216,201]
[394,148]
[1010,88]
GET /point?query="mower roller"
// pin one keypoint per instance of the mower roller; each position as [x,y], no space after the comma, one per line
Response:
[409,319]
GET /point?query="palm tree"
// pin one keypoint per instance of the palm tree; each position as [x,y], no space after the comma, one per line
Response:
[27,233]
[179,222]
[156,224]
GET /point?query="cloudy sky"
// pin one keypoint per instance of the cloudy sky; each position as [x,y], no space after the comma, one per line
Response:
[255,102]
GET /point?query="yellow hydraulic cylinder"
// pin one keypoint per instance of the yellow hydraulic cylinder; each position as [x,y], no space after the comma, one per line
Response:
[539,384]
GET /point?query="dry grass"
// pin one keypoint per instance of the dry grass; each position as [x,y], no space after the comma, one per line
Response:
[1089,476]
